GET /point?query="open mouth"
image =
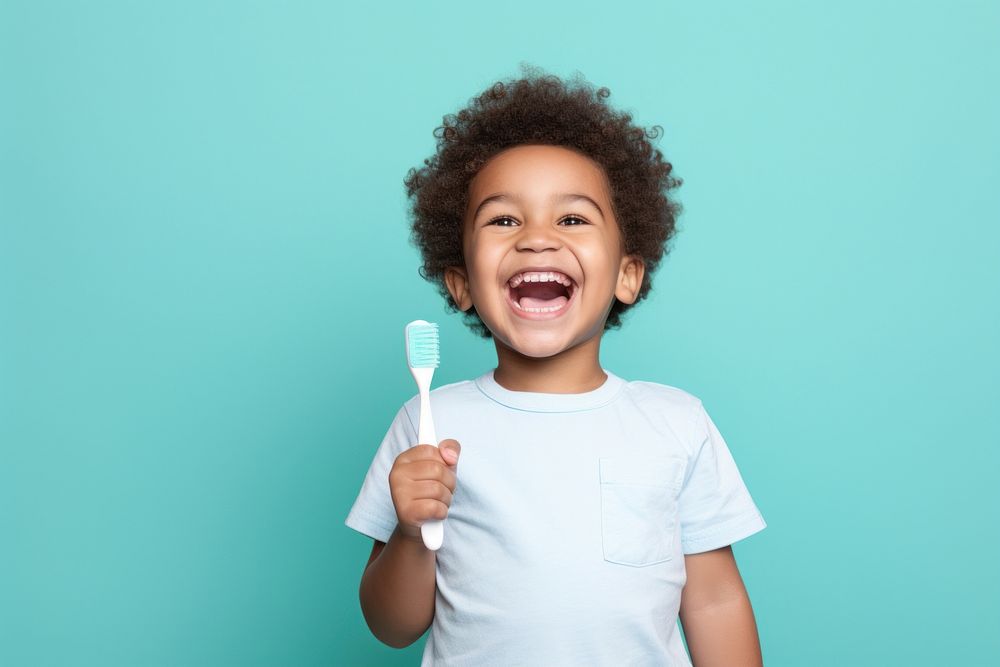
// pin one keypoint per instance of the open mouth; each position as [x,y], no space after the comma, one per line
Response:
[536,294]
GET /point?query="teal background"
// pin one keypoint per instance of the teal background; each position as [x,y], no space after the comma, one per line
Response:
[205,273]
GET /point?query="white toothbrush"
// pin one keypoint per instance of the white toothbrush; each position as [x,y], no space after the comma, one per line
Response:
[422,357]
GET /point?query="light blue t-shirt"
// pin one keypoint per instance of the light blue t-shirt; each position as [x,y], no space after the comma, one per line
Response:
[565,539]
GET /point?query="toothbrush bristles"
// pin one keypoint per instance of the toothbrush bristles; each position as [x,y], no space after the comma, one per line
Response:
[422,345]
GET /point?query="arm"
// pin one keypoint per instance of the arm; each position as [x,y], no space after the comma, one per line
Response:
[716,614]
[399,584]
[397,590]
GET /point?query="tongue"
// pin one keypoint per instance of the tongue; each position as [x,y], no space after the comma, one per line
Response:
[532,302]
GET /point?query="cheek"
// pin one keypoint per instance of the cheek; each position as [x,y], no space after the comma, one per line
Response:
[602,265]
[483,265]
[483,280]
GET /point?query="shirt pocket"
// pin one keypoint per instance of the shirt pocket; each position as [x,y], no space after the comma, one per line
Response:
[639,508]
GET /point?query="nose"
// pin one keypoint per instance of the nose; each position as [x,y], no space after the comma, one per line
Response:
[538,236]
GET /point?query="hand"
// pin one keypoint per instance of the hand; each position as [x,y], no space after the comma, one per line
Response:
[422,482]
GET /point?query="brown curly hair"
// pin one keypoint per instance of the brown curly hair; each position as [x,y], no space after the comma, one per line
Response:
[541,108]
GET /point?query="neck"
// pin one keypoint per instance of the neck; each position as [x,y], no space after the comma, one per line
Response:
[573,371]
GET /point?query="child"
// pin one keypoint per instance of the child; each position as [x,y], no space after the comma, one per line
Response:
[592,512]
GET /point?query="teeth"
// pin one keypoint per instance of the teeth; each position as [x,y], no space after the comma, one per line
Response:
[536,310]
[540,277]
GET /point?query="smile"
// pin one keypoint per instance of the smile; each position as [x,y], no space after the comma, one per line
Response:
[544,297]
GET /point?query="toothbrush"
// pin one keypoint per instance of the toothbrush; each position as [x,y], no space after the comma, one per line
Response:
[422,357]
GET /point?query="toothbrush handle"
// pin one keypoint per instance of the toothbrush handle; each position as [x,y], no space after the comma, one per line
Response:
[431,531]
[425,429]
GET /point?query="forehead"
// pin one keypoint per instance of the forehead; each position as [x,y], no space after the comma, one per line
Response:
[538,170]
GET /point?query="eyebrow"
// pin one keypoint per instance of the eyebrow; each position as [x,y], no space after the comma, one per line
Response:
[564,197]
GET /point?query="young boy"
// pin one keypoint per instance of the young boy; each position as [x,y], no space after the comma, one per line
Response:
[592,512]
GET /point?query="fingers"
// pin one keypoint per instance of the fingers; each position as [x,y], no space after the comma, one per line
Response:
[422,482]
[450,450]
[426,462]
[432,490]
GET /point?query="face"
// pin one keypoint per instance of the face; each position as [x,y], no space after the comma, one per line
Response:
[543,251]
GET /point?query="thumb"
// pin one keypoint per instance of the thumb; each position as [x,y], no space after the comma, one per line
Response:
[450,450]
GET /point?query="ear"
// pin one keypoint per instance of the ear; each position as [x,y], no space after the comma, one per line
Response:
[630,275]
[456,279]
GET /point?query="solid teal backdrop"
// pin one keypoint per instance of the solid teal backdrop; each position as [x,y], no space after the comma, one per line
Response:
[205,273]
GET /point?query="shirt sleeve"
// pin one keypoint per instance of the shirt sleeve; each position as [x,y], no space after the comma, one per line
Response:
[373,513]
[714,504]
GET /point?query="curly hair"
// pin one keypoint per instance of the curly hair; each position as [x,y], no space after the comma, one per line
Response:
[541,108]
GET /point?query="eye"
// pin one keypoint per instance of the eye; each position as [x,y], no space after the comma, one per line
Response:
[502,217]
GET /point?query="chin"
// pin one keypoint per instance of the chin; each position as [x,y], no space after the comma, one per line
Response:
[538,349]
[538,353]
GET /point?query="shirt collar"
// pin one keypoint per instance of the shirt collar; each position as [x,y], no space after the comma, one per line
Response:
[534,401]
